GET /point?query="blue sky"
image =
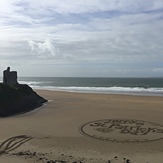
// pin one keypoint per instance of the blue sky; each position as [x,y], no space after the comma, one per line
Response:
[90,38]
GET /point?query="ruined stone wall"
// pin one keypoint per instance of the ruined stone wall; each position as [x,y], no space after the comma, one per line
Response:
[10,77]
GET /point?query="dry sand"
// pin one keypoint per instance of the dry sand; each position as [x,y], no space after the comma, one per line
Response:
[81,127]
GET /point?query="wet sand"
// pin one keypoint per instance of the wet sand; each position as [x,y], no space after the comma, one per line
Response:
[88,128]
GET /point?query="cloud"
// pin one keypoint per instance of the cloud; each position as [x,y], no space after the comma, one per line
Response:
[78,32]
[84,6]
[46,47]
[158,70]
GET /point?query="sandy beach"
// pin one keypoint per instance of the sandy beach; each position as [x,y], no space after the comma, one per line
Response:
[85,128]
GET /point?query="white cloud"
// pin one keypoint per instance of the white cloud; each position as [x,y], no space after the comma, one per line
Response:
[71,6]
[46,47]
[92,31]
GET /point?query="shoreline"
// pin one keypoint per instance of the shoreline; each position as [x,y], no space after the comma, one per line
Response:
[97,93]
[105,93]
[52,132]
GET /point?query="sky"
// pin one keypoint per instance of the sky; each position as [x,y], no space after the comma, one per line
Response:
[82,38]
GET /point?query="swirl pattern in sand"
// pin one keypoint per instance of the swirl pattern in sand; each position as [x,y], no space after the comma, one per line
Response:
[123,130]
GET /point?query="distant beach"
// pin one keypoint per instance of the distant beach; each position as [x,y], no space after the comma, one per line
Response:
[86,127]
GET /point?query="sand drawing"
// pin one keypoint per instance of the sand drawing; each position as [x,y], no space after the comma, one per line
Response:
[123,130]
[13,143]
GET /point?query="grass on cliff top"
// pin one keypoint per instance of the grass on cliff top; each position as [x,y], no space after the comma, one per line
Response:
[12,93]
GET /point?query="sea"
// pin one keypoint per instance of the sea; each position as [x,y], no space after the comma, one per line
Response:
[131,86]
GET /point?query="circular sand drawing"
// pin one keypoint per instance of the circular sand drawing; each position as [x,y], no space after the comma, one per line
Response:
[123,130]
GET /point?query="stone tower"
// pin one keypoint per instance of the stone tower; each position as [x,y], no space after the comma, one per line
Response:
[9,77]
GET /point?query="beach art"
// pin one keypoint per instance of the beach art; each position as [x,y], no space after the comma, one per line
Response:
[123,130]
[13,143]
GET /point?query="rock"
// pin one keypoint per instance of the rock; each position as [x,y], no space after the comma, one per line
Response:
[18,99]
[128,161]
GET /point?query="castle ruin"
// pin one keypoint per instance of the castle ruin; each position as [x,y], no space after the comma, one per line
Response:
[10,77]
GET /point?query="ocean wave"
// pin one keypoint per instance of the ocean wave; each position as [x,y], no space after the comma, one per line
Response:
[49,85]
[116,90]
[35,83]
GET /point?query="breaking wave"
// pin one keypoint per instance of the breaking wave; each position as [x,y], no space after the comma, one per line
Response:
[75,86]
[107,90]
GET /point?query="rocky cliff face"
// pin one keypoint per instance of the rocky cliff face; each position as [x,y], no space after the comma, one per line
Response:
[18,99]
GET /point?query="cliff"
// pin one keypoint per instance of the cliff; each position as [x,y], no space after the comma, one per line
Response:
[18,99]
